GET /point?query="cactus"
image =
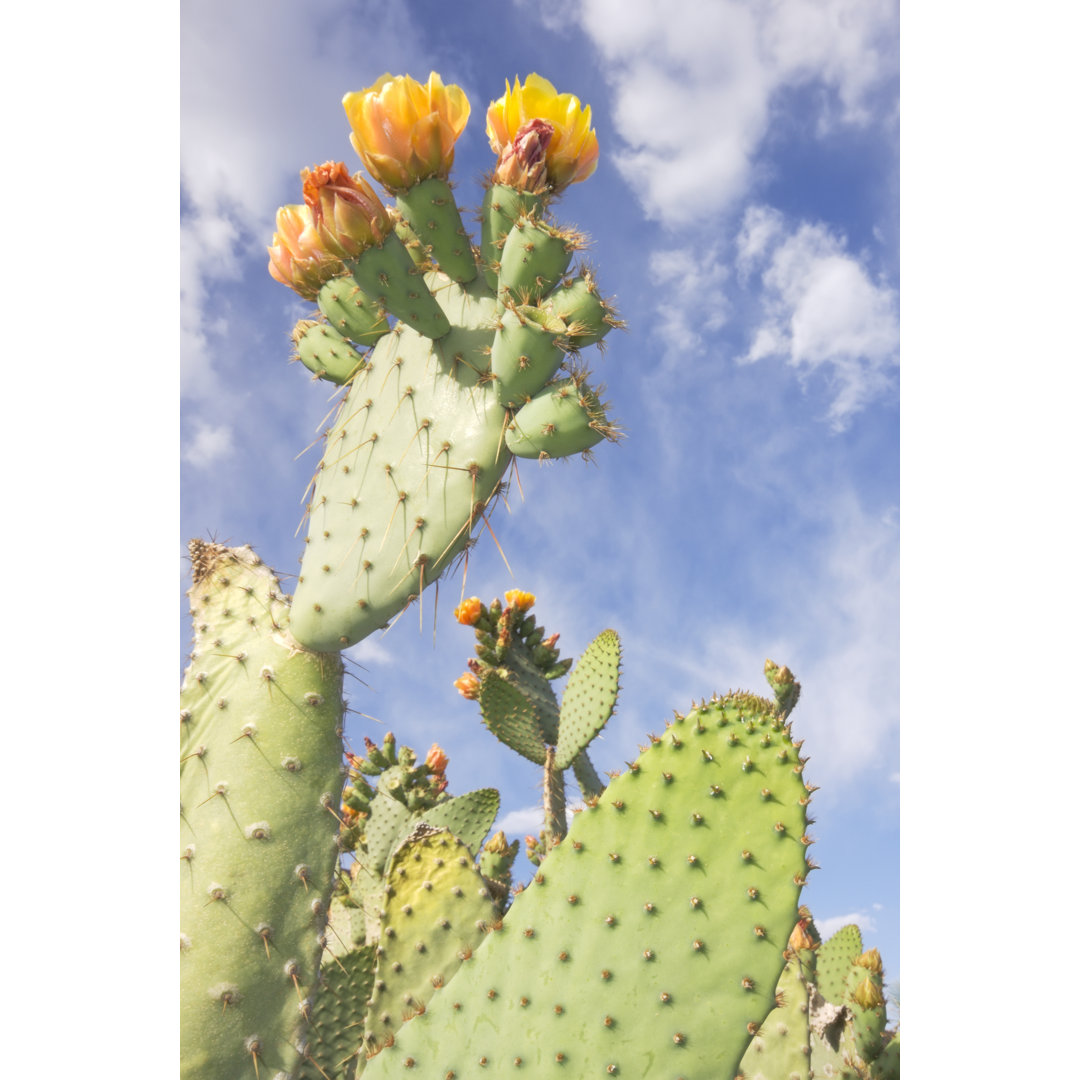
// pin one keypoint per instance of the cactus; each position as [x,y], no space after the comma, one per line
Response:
[332,931]
[511,679]
[260,774]
[654,931]
[469,374]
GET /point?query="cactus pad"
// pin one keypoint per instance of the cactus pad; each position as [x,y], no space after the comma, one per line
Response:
[260,773]
[654,932]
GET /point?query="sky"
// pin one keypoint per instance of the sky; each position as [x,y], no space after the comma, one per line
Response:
[744,216]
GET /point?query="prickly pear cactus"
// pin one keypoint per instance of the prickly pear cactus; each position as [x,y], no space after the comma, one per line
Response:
[511,678]
[260,777]
[655,932]
[478,366]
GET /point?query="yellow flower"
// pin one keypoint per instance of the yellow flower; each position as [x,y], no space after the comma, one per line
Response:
[405,131]
[534,119]
[468,686]
[348,216]
[521,600]
[468,611]
[297,256]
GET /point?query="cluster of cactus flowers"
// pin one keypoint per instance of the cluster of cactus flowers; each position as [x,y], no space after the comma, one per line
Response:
[344,914]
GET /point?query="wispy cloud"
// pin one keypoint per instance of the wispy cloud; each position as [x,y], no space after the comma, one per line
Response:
[827,927]
[822,311]
[694,84]
[262,91]
[209,444]
[528,820]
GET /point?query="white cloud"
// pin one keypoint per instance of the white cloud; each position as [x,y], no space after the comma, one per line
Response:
[822,310]
[210,444]
[827,927]
[529,820]
[694,84]
[694,303]
[261,91]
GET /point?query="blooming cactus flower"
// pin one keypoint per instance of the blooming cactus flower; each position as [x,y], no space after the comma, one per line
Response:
[436,759]
[468,686]
[468,611]
[297,256]
[533,120]
[348,216]
[404,131]
[521,600]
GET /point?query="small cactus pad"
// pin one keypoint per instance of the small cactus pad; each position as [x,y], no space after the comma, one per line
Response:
[260,775]
[346,982]
[510,717]
[589,698]
[653,933]
[437,909]
[833,962]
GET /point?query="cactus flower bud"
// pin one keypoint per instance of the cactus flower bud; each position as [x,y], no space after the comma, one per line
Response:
[497,845]
[404,131]
[544,139]
[800,938]
[297,256]
[468,611]
[521,600]
[868,995]
[348,216]
[468,686]
[870,960]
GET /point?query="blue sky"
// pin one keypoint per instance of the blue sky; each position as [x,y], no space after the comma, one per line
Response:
[745,216]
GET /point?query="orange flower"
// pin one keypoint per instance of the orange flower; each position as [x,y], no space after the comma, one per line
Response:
[468,611]
[436,759]
[521,600]
[297,256]
[468,686]
[534,119]
[405,131]
[348,216]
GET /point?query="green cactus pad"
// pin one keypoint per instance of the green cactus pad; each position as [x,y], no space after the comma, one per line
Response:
[338,1014]
[564,418]
[834,960]
[781,1049]
[351,312]
[528,348]
[654,932]
[534,257]
[469,817]
[589,698]
[510,717]
[588,316]
[323,351]
[391,277]
[437,910]
[260,775]
[430,210]
[866,998]
[415,454]
[500,210]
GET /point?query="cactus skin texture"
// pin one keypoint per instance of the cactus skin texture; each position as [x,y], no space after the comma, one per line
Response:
[653,933]
[260,775]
